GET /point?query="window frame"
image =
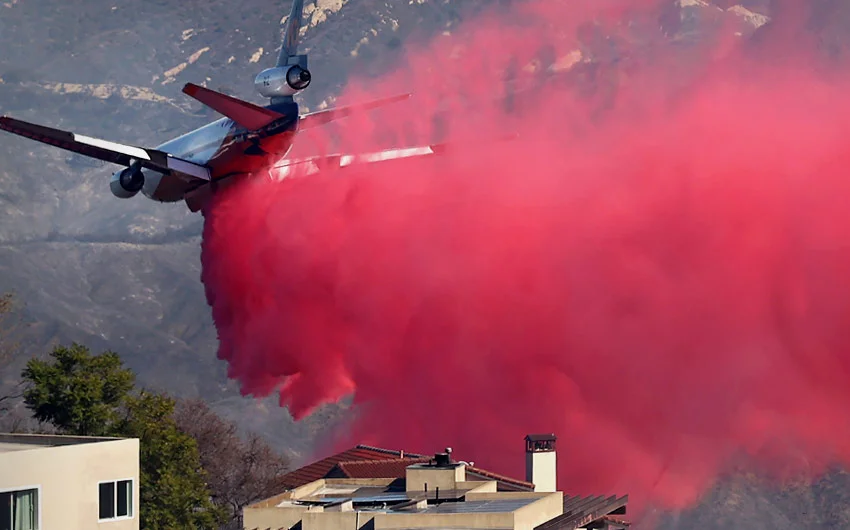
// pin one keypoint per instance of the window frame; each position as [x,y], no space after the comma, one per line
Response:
[115,481]
[38,498]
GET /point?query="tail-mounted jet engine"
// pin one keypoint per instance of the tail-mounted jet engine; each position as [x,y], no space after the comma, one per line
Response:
[127,182]
[282,81]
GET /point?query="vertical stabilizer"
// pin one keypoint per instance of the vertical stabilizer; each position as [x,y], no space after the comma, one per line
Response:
[289,46]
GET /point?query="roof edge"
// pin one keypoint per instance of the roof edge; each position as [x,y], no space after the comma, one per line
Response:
[54,439]
[411,459]
[500,478]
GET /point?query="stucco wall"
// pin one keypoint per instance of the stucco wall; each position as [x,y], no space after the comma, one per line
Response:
[67,478]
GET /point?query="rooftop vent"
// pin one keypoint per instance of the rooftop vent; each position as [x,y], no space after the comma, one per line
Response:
[442,459]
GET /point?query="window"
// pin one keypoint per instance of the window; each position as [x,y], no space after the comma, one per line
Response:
[19,510]
[115,500]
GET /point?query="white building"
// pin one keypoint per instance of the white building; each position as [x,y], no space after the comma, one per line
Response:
[68,482]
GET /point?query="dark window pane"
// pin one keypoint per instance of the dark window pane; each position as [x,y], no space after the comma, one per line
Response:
[107,500]
[5,511]
[125,496]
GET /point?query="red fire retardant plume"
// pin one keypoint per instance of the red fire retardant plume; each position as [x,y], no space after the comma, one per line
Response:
[657,271]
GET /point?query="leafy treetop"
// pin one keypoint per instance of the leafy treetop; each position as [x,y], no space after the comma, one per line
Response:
[78,392]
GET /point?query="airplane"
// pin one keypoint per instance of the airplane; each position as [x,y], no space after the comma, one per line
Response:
[249,139]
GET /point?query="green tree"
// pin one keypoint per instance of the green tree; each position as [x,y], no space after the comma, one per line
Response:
[174,493]
[85,394]
[76,391]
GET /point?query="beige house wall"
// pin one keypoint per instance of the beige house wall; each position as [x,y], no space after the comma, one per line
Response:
[272,517]
[546,508]
[67,479]
[445,479]
[281,513]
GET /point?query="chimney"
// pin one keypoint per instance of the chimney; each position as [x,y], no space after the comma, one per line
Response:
[440,473]
[540,462]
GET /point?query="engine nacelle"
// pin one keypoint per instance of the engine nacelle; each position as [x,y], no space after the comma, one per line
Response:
[127,182]
[282,81]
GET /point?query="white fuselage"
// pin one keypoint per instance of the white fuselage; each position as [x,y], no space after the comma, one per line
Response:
[198,146]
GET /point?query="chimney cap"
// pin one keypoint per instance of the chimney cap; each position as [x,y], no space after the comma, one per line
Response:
[442,460]
[541,437]
[540,443]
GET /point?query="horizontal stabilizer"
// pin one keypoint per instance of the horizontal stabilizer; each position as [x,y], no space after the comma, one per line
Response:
[315,164]
[104,150]
[310,165]
[252,117]
[321,117]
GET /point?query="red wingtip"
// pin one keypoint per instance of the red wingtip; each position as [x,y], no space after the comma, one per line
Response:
[190,89]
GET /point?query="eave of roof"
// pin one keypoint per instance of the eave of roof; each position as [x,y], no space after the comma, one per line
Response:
[510,483]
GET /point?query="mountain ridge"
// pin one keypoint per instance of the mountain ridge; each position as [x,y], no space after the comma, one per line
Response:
[125,275]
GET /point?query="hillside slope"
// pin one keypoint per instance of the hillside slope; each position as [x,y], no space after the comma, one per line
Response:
[125,274]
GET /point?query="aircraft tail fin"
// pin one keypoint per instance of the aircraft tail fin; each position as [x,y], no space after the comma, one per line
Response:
[289,46]
[248,115]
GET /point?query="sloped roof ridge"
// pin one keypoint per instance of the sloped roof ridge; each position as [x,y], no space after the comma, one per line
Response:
[388,451]
[384,460]
[497,476]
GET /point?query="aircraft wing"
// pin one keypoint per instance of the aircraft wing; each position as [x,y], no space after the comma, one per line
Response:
[116,153]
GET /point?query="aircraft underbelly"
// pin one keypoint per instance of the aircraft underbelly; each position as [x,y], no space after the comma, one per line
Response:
[251,157]
[197,146]
[153,180]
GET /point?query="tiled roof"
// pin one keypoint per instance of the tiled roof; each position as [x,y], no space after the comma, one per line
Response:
[504,483]
[390,468]
[365,461]
[320,469]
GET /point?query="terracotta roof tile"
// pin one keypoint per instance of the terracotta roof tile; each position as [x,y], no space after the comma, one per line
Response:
[390,468]
[320,468]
